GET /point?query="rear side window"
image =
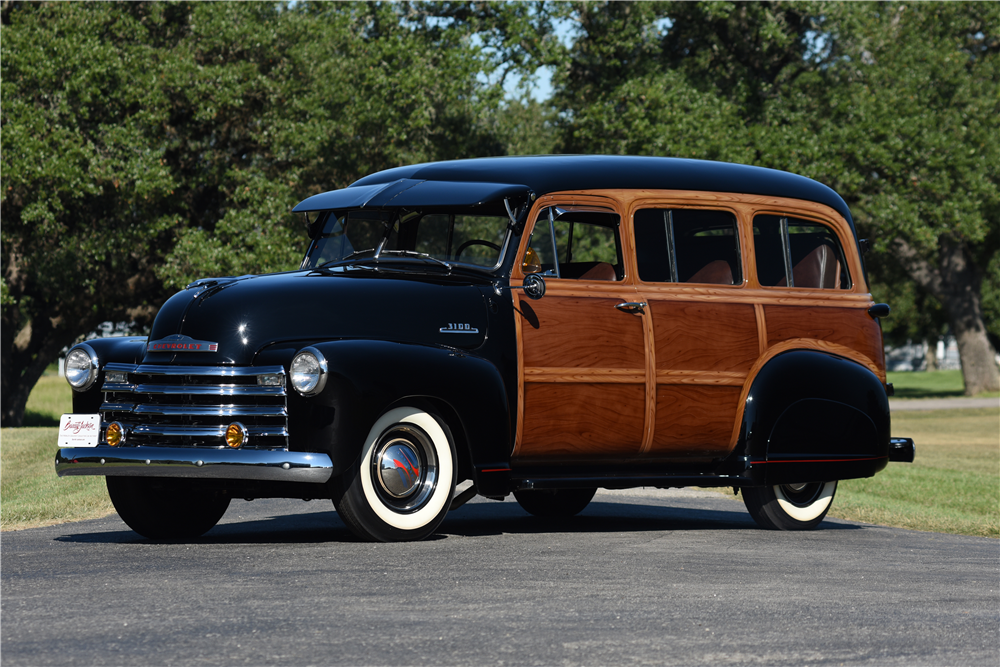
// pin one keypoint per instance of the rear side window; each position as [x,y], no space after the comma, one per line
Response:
[687,246]
[792,252]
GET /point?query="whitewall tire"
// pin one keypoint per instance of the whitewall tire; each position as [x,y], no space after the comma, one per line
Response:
[402,485]
[789,506]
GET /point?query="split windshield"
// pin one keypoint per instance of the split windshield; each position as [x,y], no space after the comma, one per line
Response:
[449,238]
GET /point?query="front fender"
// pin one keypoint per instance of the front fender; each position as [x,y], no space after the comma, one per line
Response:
[812,416]
[118,349]
[367,377]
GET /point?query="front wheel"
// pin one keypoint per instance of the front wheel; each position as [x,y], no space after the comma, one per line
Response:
[402,485]
[789,506]
[552,503]
[166,508]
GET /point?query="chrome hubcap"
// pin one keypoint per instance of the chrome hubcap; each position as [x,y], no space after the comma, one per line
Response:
[399,468]
[404,468]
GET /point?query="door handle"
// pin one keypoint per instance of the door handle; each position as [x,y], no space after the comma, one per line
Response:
[634,307]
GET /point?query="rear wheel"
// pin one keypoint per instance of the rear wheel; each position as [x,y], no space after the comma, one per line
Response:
[789,506]
[402,485]
[166,508]
[554,502]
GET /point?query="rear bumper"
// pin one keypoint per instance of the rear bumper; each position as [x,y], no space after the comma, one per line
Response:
[902,450]
[279,465]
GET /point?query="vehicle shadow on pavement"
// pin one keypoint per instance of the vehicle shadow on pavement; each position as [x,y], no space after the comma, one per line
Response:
[479,519]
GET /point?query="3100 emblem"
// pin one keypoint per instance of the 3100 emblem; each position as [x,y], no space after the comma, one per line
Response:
[458,327]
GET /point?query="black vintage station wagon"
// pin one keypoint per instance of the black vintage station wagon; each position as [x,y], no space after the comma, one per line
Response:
[542,326]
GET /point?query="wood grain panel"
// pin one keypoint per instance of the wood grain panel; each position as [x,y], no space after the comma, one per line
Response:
[573,422]
[588,375]
[711,378]
[850,327]
[758,311]
[694,421]
[704,336]
[582,333]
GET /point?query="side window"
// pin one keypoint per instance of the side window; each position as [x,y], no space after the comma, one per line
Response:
[791,252]
[581,244]
[687,246]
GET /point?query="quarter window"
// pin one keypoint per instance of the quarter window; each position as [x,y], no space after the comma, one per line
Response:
[792,252]
[687,246]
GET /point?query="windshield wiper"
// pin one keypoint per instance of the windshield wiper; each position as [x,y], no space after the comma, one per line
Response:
[344,259]
[417,255]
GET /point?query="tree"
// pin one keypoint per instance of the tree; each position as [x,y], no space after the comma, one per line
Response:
[145,145]
[916,117]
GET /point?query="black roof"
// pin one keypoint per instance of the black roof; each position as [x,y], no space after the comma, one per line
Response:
[553,173]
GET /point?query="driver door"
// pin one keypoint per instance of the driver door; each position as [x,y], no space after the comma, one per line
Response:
[582,361]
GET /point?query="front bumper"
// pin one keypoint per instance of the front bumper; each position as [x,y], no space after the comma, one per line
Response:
[272,465]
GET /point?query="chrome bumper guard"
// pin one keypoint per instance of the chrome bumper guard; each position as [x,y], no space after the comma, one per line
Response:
[902,450]
[273,465]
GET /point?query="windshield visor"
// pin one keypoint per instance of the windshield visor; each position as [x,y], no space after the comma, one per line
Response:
[452,238]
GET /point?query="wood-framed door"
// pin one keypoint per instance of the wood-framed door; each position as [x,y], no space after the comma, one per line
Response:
[584,381]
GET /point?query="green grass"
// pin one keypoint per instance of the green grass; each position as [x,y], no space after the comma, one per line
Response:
[933,384]
[32,495]
[50,398]
[953,485]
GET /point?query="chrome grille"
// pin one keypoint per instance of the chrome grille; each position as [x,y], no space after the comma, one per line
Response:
[191,406]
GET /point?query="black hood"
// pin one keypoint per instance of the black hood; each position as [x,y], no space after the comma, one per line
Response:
[231,320]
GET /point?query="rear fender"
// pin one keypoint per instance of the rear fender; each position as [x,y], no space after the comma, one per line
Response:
[811,416]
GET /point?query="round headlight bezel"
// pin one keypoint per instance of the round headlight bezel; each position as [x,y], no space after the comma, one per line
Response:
[85,367]
[308,371]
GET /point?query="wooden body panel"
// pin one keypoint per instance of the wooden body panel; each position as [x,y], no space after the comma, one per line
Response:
[580,422]
[852,328]
[582,333]
[703,352]
[584,375]
[694,421]
[703,336]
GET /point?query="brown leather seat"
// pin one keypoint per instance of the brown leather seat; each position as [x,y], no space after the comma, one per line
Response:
[602,271]
[819,269]
[714,273]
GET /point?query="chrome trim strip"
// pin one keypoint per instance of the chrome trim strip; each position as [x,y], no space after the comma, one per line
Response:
[117,407]
[168,431]
[224,371]
[203,410]
[209,390]
[192,462]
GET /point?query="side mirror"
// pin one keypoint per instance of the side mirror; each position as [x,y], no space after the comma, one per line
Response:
[534,286]
[879,310]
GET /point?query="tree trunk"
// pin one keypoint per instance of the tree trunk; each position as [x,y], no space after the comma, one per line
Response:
[27,351]
[955,282]
[931,356]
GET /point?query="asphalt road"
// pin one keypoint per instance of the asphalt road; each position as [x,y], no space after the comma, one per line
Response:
[662,578]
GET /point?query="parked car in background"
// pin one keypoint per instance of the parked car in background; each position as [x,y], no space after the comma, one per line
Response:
[542,326]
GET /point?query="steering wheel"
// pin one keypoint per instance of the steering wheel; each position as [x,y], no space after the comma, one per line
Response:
[458,253]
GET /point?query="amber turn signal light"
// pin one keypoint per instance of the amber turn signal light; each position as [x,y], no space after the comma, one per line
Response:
[236,435]
[115,435]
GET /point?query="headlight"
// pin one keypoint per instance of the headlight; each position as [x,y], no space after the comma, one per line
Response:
[81,367]
[309,371]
